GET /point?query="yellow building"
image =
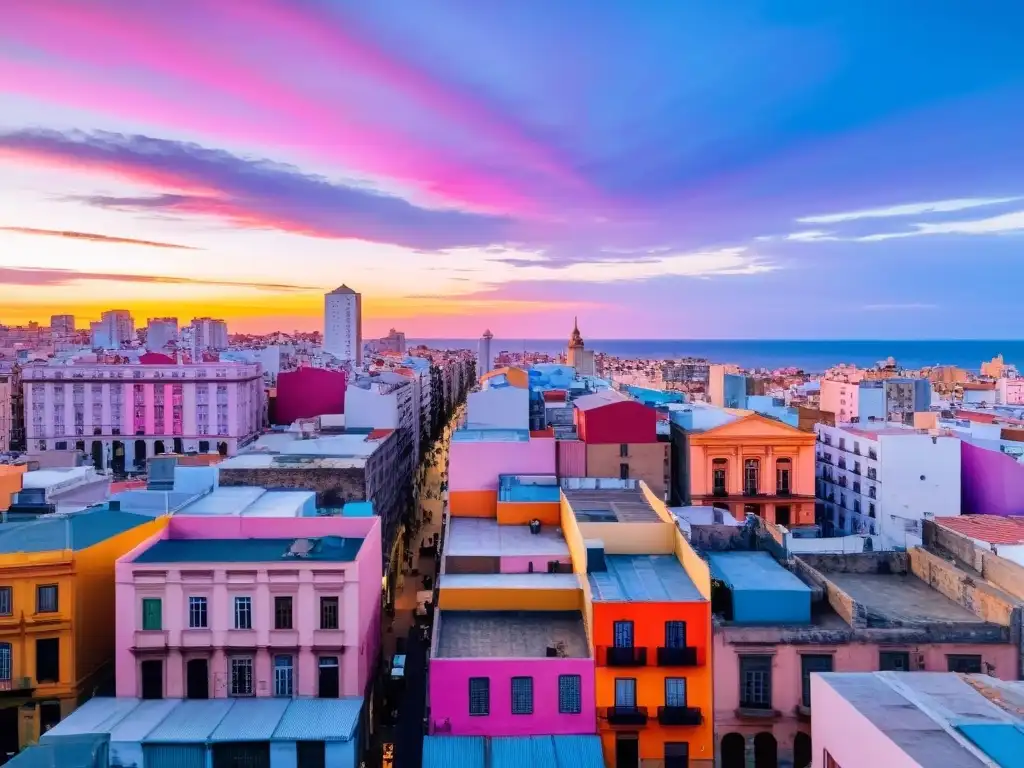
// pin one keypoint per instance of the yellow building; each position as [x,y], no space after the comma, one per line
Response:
[57,614]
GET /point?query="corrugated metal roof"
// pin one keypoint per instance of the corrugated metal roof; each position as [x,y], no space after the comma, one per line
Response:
[454,752]
[191,721]
[320,720]
[1003,742]
[251,720]
[643,578]
[144,718]
[98,715]
[520,751]
[80,751]
[578,751]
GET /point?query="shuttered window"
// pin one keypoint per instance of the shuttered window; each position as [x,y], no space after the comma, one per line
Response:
[152,613]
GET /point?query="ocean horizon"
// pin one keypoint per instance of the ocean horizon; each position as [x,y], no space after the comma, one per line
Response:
[811,356]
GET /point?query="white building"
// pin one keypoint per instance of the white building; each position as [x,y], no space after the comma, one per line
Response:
[160,332]
[209,333]
[123,413]
[62,326]
[501,406]
[884,479]
[113,329]
[6,412]
[484,357]
[343,324]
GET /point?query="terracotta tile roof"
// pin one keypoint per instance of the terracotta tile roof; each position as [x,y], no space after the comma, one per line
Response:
[991,528]
[379,434]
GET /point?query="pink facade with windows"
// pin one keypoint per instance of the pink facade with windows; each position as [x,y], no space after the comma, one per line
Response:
[474,465]
[222,606]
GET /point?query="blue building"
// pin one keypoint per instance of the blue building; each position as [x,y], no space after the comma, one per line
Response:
[892,399]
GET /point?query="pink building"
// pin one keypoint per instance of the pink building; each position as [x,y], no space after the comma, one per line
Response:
[230,606]
[992,483]
[840,398]
[121,414]
[308,392]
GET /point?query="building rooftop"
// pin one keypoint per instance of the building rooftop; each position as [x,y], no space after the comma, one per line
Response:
[324,549]
[250,501]
[528,488]
[643,578]
[512,752]
[510,634]
[900,598]
[611,505]
[484,537]
[600,399]
[510,581]
[177,721]
[755,571]
[988,528]
[143,501]
[76,531]
[491,436]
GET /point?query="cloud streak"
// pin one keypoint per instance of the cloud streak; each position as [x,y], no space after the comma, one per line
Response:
[909,209]
[249,193]
[42,277]
[95,238]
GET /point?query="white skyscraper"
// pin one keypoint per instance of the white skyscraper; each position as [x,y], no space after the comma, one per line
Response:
[161,331]
[484,359]
[343,324]
[208,333]
[113,329]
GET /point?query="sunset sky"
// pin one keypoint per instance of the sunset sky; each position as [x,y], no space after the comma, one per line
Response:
[743,169]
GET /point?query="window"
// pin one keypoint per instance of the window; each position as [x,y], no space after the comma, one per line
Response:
[756,682]
[5,662]
[479,696]
[812,663]
[241,676]
[328,613]
[243,613]
[152,613]
[894,661]
[718,477]
[283,612]
[751,475]
[46,598]
[522,695]
[625,692]
[6,601]
[965,663]
[284,675]
[623,471]
[675,634]
[48,660]
[623,450]
[623,634]
[570,694]
[783,473]
[197,613]
[675,691]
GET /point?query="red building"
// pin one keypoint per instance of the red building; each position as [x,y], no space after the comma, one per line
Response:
[309,392]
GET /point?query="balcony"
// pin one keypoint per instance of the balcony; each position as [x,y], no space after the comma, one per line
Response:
[625,657]
[784,491]
[16,685]
[150,639]
[872,454]
[719,492]
[625,715]
[680,716]
[677,657]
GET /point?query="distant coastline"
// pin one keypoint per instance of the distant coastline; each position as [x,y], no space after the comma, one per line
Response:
[811,356]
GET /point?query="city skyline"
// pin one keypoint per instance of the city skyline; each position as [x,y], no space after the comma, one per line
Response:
[662,172]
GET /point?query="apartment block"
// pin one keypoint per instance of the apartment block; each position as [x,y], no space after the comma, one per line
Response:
[121,414]
[478,458]
[57,614]
[215,607]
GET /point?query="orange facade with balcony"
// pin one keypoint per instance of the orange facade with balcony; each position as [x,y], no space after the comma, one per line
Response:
[754,465]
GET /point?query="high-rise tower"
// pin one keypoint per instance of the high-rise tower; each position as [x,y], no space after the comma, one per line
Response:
[343,324]
[484,358]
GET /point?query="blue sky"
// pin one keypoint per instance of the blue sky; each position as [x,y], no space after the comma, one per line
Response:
[740,170]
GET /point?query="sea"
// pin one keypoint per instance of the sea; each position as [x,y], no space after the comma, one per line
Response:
[810,356]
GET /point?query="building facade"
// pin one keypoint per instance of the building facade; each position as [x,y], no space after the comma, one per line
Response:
[217,607]
[884,479]
[208,334]
[161,332]
[121,414]
[485,357]
[62,326]
[343,324]
[306,393]
[114,329]
[6,411]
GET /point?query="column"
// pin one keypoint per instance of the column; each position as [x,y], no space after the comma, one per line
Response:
[735,478]
[768,485]
[175,675]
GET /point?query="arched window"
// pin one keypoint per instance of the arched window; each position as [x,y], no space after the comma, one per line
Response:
[802,757]
[766,751]
[734,751]
[751,477]
[783,477]
[720,477]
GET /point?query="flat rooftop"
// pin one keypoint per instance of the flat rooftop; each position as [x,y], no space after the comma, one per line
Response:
[509,581]
[323,549]
[756,571]
[528,489]
[510,634]
[470,536]
[611,505]
[901,598]
[643,578]
[491,436]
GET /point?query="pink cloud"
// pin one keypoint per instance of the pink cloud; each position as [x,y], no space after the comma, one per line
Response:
[278,113]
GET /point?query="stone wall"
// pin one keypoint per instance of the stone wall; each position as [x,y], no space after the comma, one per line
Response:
[333,487]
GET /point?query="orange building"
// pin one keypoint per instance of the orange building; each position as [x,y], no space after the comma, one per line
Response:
[648,613]
[11,477]
[753,465]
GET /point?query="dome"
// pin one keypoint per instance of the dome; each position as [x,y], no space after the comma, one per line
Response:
[575,340]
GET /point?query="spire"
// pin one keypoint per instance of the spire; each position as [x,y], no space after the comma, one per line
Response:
[575,340]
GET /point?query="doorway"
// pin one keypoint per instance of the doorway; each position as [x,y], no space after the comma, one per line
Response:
[140,454]
[8,733]
[783,515]
[627,750]
[222,448]
[152,674]
[329,680]
[117,457]
[159,448]
[734,751]
[179,446]
[49,715]
[197,679]
[802,756]
[766,751]
[677,754]
[97,454]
